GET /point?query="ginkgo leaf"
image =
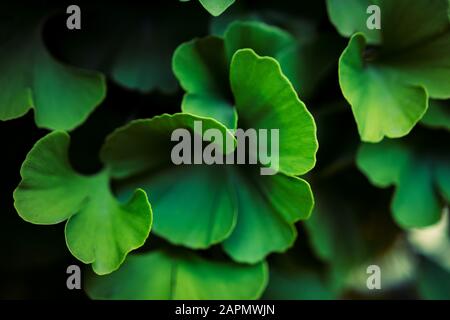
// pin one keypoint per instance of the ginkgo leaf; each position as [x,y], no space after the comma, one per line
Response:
[61,96]
[99,229]
[215,7]
[258,87]
[232,208]
[388,85]
[179,275]
[266,205]
[202,67]
[193,204]
[198,205]
[265,99]
[421,179]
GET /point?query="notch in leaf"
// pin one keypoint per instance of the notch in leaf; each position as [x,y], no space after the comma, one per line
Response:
[99,229]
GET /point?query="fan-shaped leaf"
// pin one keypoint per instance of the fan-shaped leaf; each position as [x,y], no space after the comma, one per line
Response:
[99,230]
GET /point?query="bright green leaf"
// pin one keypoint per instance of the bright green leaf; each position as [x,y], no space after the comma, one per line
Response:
[346,240]
[99,229]
[216,7]
[202,67]
[265,99]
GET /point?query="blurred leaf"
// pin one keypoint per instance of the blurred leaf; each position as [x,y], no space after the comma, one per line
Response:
[438,115]
[388,85]
[265,99]
[417,174]
[347,234]
[179,276]
[133,45]
[351,16]
[30,78]
[293,276]
[433,281]
[267,205]
[99,230]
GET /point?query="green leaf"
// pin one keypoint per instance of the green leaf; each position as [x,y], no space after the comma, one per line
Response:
[201,205]
[305,59]
[438,115]
[351,16]
[267,205]
[265,99]
[264,39]
[216,7]
[417,175]
[99,230]
[61,96]
[402,70]
[202,67]
[193,204]
[382,104]
[176,275]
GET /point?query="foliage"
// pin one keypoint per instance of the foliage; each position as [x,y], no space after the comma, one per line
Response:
[376,192]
